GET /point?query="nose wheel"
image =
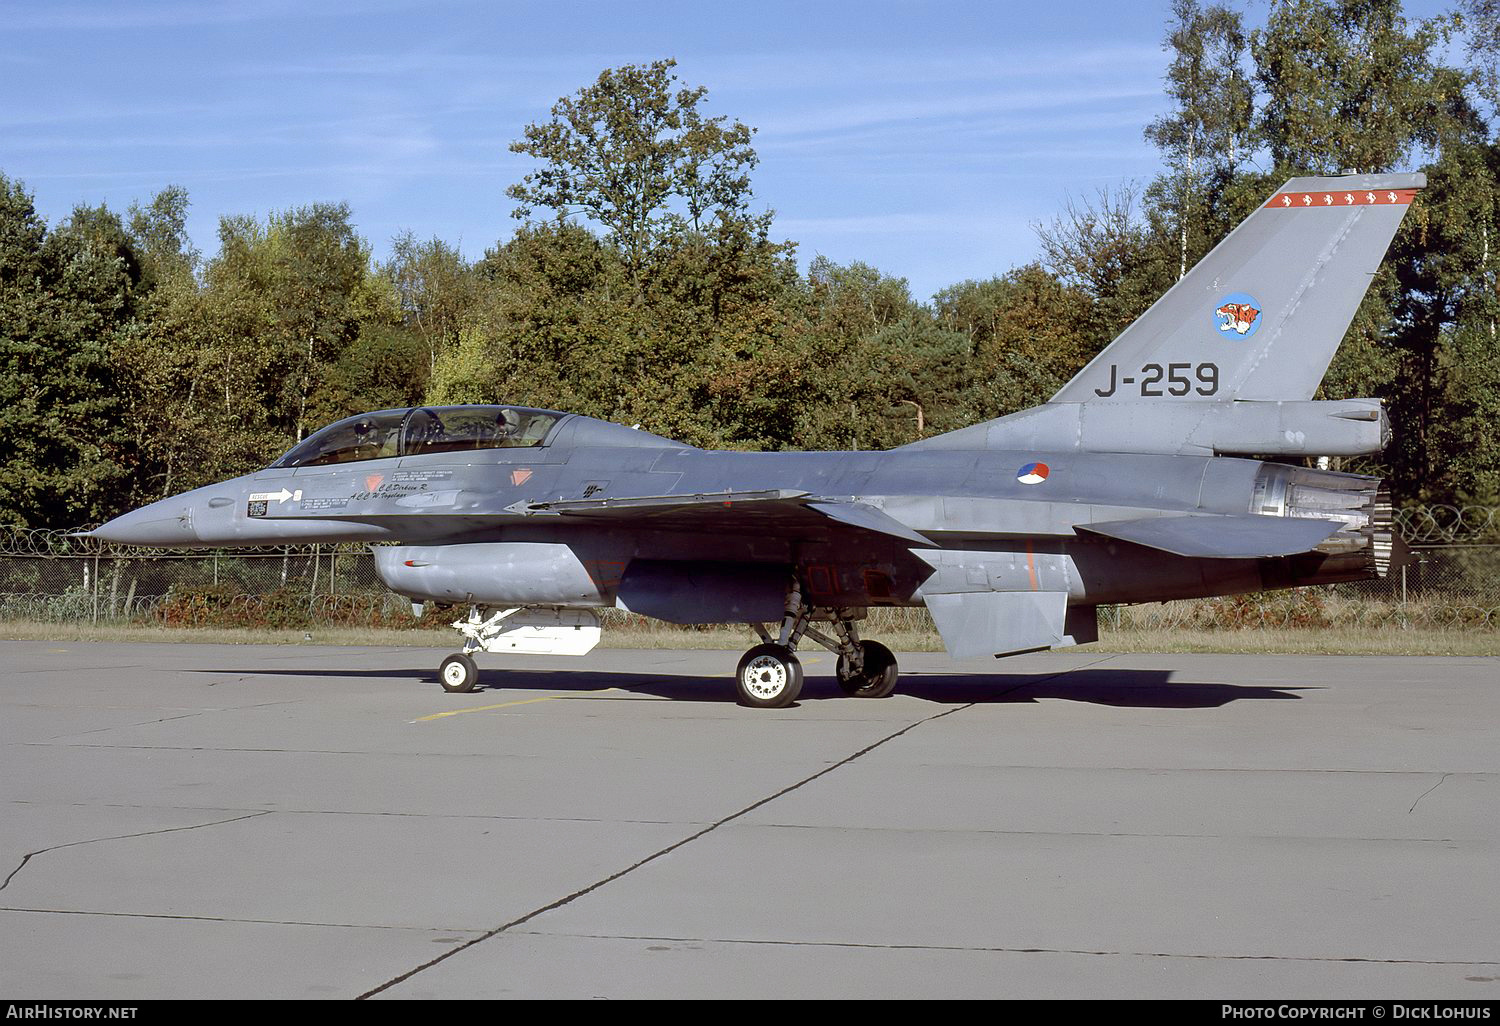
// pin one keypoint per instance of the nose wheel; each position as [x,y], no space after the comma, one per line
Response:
[458,673]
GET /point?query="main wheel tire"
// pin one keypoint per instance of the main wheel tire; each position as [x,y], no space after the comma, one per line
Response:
[769,677]
[877,679]
[458,673]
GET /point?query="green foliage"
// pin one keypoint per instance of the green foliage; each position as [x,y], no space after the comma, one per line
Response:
[635,154]
[1029,333]
[1350,85]
[1447,308]
[1106,249]
[158,233]
[1207,134]
[65,298]
[434,289]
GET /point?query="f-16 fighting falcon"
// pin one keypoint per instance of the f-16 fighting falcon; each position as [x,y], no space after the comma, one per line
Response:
[1137,482]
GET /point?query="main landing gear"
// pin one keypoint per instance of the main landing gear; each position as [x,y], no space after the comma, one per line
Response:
[770,674]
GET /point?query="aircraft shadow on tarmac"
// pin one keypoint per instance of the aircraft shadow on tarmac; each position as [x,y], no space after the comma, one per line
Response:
[1123,688]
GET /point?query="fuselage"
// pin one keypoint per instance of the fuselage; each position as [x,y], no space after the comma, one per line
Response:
[466,528]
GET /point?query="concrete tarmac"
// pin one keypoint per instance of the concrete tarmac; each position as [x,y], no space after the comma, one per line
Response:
[201,821]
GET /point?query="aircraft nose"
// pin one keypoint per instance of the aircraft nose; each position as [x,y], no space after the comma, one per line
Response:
[165,523]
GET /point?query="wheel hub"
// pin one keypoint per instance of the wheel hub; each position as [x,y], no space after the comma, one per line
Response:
[766,676]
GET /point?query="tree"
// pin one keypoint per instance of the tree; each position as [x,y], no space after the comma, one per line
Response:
[298,285]
[550,315]
[1349,85]
[1120,260]
[1204,138]
[635,154]
[1029,334]
[65,298]
[158,231]
[1482,20]
[1445,341]
[435,288]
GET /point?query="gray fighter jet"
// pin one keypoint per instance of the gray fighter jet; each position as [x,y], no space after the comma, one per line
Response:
[1134,483]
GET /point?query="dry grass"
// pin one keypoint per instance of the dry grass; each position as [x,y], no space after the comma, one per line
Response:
[1303,641]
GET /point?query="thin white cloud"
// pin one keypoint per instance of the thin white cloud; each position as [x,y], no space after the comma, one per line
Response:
[113,15]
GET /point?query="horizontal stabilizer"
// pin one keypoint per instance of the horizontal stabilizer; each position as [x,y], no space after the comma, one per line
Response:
[1241,536]
[998,623]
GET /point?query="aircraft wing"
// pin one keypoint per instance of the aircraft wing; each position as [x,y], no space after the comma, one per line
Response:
[1214,536]
[728,511]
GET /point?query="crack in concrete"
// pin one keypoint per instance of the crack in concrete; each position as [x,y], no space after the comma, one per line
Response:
[60,740]
[482,817]
[1005,949]
[1427,792]
[997,831]
[237,680]
[466,930]
[121,837]
[596,885]
[712,827]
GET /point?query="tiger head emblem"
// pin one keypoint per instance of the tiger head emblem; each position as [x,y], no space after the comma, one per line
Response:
[1236,317]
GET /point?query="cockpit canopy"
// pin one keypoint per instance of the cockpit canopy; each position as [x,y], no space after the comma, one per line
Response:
[425,429]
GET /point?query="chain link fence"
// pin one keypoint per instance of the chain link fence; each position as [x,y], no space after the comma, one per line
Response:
[1448,580]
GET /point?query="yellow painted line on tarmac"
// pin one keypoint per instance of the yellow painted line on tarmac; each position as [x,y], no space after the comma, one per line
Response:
[507,705]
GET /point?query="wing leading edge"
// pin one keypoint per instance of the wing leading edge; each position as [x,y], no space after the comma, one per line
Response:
[720,511]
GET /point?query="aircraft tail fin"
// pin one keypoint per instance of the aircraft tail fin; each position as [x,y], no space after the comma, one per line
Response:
[1260,316]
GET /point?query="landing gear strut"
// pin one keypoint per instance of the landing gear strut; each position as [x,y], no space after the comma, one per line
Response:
[459,672]
[770,674]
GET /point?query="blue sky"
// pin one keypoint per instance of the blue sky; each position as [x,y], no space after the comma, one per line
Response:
[926,138]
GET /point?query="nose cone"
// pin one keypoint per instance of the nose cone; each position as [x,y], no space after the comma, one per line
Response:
[167,523]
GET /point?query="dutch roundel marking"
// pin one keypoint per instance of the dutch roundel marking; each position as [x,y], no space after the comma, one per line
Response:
[1033,473]
[1238,314]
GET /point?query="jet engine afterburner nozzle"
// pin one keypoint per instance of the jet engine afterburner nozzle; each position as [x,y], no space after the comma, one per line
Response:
[1362,548]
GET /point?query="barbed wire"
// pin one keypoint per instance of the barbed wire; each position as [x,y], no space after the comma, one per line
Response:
[1276,612]
[57,543]
[1448,525]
